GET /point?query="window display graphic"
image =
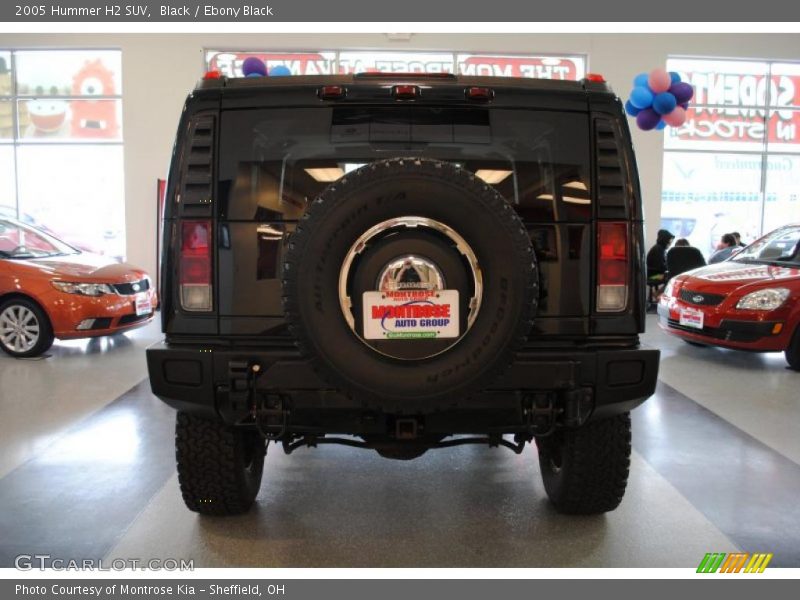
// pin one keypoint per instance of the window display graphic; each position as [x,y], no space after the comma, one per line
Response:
[740,106]
[70,95]
[6,105]
[93,118]
[61,114]
[734,165]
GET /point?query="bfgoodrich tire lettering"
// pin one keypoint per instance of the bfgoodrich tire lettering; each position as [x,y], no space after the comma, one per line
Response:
[219,466]
[585,470]
[397,188]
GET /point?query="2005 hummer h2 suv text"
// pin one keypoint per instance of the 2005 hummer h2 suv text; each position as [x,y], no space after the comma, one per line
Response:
[401,263]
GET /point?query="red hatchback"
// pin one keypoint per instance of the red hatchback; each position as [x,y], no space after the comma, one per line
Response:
[749,302]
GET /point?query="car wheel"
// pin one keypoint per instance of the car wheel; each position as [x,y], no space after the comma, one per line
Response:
[792,353]
[434,234]
[585,470]
[25,329]
[219,466]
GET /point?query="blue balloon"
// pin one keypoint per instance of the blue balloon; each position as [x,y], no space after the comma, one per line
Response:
[631,109]
[254,67]
[279,71]
[640,80]
[664,103]
[641,97]
[661,125]
[675,77]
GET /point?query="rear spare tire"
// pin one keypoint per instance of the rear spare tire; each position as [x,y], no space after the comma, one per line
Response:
[409,281]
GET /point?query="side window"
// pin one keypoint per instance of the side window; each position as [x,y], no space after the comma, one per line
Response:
[9,238]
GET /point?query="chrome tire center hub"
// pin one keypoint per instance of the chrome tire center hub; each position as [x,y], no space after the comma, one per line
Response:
[411,271]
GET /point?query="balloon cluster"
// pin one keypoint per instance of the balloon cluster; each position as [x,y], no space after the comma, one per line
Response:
[659,99]
[255,67]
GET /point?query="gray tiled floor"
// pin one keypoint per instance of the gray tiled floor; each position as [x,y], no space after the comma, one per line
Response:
[334,506]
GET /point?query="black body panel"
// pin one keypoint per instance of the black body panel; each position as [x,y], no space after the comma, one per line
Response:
[576,359]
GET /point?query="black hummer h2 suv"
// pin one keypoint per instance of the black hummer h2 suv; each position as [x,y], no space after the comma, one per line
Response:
[402,262]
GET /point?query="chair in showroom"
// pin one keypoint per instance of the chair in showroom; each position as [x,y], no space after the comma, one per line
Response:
[683,258]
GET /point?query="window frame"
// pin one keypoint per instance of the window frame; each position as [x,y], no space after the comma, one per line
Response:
[15,97]
[768,108]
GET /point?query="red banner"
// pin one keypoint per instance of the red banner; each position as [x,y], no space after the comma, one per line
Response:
[325,63]
[544,67]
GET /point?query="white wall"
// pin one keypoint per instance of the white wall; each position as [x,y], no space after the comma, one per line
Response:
[160,69]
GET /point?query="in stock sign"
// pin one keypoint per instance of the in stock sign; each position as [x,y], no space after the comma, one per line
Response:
[748,110]
[229,63]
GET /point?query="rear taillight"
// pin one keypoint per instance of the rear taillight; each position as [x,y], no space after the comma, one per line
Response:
[331,92]
[479,94]
[195,265]
[612,266]
[405,92]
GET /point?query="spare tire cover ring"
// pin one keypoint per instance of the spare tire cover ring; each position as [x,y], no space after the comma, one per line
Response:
[459,242]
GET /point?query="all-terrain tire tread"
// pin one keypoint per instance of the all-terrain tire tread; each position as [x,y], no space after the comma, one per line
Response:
[209,458]
[595,469]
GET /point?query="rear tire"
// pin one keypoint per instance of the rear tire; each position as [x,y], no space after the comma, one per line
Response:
[792,353]
[585,470]
[219,467]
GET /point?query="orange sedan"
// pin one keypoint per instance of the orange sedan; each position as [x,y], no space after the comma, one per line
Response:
[49,290]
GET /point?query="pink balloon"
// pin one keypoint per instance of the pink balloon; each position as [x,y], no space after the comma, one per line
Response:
[659,80]
[676,118]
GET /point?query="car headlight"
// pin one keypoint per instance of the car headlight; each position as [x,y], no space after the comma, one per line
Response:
[83,289]
[768,299]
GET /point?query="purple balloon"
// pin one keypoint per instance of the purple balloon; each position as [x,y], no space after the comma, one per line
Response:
[682,91]
[647,119]
[684,105]
[254,67]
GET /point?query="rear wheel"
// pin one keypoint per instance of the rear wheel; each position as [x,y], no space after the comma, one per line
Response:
[792,353]
[585,470]
[219,467]
[25,329]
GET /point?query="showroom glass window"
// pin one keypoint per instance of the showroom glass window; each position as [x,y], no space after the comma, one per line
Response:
[61,160]
[571,67]
[735,164]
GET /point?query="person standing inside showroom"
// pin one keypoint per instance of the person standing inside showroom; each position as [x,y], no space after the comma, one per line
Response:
[657,263]
[726,250]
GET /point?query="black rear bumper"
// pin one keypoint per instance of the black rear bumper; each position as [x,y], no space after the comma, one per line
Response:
[573,386]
